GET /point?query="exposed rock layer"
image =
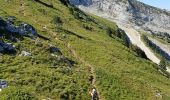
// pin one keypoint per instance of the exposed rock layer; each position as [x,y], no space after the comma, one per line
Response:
[129,12]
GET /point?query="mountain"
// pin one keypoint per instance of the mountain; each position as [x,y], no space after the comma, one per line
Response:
[131,12]
[50,49]
[135,18]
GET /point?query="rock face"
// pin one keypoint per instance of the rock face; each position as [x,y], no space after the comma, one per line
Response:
[4,48]
[130,12]
[24,29]
[10,31]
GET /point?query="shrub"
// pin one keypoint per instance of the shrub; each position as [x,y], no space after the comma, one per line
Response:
[138,51]
[14,93]
[162,64]
[43,11]
[109,32]
[65,2]
[57,21]
[80,15]
[120,34]
[87,27]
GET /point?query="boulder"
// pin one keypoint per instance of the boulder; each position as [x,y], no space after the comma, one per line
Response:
[25,53]
[11,19]
[1,49]
[27,30]
[53,49]
[8,27]
[4,47]
[11,28]
[2,23]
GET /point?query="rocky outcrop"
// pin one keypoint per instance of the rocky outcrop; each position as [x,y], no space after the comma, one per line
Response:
[24,29]
[81,2]
[6,48]
[25,53]
[11,32]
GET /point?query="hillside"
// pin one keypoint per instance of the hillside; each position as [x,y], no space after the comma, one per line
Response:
[67,53]
[134,18]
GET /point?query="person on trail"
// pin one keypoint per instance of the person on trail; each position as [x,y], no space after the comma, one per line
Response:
[94,95]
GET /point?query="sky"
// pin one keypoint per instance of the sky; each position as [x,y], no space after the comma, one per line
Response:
[163,4]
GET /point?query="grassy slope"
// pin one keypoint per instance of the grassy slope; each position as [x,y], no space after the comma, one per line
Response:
[119,73]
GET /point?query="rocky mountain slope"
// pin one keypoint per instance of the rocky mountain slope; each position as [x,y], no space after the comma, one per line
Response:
[131,12]
[52,50]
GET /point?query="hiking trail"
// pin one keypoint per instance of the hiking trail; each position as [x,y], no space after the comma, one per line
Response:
[77,57]
[22,9]
[91,69]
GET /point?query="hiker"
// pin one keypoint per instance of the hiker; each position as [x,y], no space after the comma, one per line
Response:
[3,84]
[94,95]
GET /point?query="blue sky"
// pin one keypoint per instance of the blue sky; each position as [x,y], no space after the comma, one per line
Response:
[164,4]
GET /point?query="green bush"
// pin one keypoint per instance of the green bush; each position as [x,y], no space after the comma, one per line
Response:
[138,51]
[57,21]
[162,64]
[16,93]
[87,27]
[43,11]
[110,32]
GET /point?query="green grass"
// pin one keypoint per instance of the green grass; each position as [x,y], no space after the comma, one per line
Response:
[120,74]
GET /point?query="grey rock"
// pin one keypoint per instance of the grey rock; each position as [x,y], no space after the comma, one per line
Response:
[81,2]
[25,53]
[11,28]
[11,19]
[2,24]
[158,94]
[27,30]
[55,50]
[1,49]
[24,29]
[4,47]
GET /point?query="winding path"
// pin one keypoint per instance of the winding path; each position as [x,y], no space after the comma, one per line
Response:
[73,52]
[93,81]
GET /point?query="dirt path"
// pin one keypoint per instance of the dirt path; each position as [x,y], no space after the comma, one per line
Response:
[91,69]
[84,62]
[73,52]
[22,8]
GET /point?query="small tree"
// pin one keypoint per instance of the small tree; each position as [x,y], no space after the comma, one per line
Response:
[109,32]
[65,2]
[138,51]
[57,21]
[162,64]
